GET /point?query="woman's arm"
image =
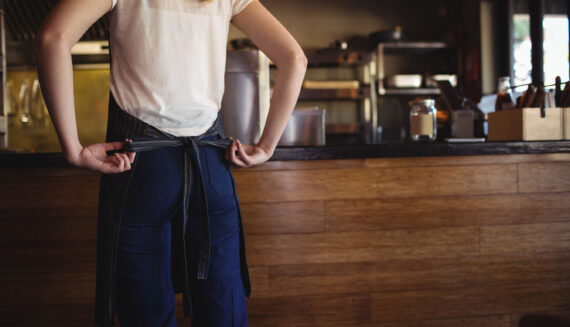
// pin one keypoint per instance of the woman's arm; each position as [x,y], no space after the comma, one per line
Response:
[63,27]
[267,33]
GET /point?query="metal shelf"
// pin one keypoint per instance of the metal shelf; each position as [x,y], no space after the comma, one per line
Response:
[412,47]
[335,58]
[346,128]
[418,91]
[365,95]
[335,94]
[429,50]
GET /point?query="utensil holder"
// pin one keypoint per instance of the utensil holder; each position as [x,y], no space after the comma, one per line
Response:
[526,124]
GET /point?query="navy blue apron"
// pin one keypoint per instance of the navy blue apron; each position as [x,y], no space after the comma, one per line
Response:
[194,244]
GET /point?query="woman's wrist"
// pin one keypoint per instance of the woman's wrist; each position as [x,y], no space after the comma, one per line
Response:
[268,149]
[72,152]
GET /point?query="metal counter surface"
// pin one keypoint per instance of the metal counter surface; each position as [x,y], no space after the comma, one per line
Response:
[32,160]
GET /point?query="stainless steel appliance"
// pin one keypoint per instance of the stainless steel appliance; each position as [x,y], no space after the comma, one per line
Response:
[305,127]
[246,98]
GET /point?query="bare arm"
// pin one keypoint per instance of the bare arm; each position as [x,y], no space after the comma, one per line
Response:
[64,26]
[269,35]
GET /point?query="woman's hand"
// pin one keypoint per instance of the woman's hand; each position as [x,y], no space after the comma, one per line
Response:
[95,157]
[247,155]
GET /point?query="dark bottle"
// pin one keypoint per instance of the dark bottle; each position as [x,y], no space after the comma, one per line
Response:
[504,94]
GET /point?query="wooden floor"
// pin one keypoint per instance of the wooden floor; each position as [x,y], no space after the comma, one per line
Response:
[449,241]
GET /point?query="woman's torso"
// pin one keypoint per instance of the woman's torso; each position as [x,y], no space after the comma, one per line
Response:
[168,60]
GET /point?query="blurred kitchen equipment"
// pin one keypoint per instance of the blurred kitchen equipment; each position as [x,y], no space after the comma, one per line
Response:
[339,45]
[565,96]
[535,98]
[39,112]
[479,120]
[404,81]
[450,96]
[550,99]
[557,91]
[28,111]
[24,116]
[306,127]
[423,125]
[526,97]
[462,123]
[504,94]
[35,100]
[431,80]
[242,44]
[392,35]
[394,119]
[360,43]
[11,103]
[331,84]
[245,103]
[539,97]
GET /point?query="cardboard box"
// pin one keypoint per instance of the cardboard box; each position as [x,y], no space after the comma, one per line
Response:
[526,124]
[566,124]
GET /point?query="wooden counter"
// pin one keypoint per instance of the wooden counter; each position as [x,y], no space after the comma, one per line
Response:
[479,240]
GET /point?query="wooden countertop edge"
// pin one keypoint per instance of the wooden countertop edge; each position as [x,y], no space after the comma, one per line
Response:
[370,155]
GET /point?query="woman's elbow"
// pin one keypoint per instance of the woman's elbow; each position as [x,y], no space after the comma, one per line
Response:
[297,59]
[301,58]
[46,38]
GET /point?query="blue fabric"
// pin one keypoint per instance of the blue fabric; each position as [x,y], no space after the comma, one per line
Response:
[144,290]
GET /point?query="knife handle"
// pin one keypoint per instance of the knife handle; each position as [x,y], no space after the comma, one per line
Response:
[557,91]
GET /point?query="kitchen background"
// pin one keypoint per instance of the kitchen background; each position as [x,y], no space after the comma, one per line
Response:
[315,24]
[467,29]
[470,235]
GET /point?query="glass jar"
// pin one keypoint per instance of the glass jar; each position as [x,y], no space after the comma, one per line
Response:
[423,120]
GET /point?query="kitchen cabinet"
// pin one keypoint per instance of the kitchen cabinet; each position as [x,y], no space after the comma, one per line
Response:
[421,230]
[422,58]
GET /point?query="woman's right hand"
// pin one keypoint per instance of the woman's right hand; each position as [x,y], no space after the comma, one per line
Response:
[94,157]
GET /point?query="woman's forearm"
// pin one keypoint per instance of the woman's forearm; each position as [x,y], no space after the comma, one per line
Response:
[290,75]
[278,44]
[62,28]
[55,73]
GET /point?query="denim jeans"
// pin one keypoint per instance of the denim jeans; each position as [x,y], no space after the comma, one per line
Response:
[144,290]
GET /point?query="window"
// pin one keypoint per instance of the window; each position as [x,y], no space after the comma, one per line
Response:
[555,47]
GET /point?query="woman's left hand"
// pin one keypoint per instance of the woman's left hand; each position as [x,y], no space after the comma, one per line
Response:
[247,155]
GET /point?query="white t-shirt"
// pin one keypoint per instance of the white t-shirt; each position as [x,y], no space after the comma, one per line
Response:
[169,59]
